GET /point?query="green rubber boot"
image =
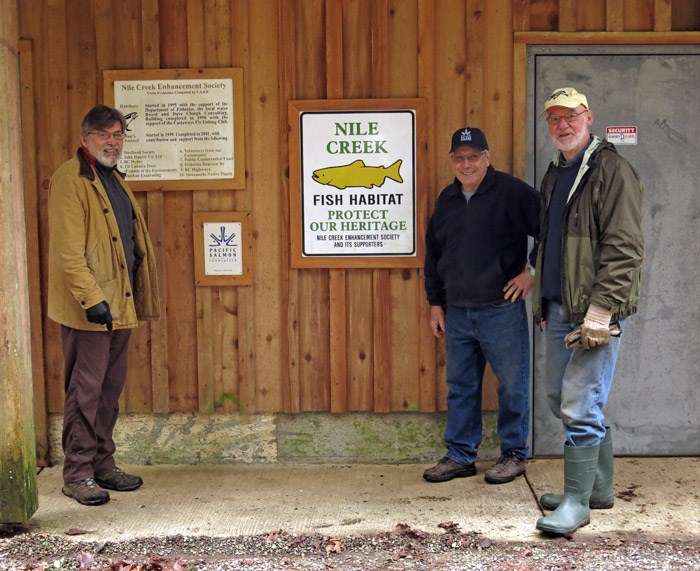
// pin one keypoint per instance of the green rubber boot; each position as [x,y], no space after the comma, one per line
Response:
[580,464]
[602,497]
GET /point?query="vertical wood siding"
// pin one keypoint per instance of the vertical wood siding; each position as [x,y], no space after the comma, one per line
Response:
[298,339]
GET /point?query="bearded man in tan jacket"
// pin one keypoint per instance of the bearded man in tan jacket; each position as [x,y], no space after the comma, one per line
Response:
[102,280]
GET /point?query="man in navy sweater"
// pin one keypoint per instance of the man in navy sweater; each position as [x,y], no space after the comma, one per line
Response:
[476,280]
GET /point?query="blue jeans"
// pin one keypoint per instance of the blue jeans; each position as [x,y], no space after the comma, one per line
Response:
[499,335]
[577,382]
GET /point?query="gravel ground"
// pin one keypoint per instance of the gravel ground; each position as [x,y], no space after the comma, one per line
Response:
[401,549]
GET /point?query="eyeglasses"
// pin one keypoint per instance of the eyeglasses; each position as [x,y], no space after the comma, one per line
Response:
[474,158]
[569,118]
[105,136]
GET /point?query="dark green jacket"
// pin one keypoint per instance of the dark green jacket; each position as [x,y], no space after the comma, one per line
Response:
[603,245]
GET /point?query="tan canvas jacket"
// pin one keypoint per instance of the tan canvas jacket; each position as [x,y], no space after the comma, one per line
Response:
[87,263]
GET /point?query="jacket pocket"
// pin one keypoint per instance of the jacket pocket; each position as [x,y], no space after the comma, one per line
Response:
[99,262]
[109,290]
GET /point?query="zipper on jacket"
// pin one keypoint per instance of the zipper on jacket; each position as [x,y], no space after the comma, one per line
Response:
[568,310]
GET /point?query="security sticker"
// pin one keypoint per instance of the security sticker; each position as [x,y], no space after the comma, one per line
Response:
[621,135]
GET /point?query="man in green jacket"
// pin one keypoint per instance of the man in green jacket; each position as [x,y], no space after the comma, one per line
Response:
[102,280]
[587,282]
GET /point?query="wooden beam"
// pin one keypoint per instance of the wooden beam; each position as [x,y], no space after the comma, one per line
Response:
[31,211]
[427,89]
[617,38]
[337,278]
[567,15]
[291,390]
[521,14]
[160,387]
[18,482]
[615,15]
[380,278]
[475,42]
[663,16]
[200,203]
[519,108]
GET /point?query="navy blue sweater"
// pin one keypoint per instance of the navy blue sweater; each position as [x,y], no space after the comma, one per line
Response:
[473,248]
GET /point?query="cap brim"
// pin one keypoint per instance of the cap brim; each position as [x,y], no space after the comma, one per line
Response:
[477,147]
[567,102]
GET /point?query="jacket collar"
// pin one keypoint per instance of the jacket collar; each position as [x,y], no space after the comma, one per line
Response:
[87,164]
[595,143]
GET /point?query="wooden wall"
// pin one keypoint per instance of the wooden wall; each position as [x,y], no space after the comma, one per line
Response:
[297,340]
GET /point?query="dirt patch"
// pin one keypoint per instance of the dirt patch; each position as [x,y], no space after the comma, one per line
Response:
[401,549]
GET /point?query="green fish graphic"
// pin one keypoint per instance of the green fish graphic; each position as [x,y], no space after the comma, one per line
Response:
[357,174]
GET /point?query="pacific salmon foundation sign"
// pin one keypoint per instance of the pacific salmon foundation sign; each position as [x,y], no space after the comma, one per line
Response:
[355,184]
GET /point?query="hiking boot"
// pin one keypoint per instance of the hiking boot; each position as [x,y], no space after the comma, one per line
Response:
[86,492]
[508,467]
[446,469]
[119,481]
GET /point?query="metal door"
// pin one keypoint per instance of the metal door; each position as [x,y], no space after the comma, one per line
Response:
[654,403]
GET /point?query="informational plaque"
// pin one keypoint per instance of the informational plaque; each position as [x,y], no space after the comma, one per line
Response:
[184,127]
[358,199]
[222,248]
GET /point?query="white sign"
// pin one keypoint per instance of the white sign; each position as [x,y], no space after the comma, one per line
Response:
[177,129]
[223,249]
[621,135]
[358,182]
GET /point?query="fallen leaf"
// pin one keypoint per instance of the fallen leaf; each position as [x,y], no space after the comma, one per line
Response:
[299,540]
[85,560]
[158,563]
[78,531]
[100,546]
[333,546]
[272,537]
[410,551]
[404,529]
[449,527]
[627,495]
[121,566]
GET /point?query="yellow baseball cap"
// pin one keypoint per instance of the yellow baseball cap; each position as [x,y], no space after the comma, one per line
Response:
[566,97]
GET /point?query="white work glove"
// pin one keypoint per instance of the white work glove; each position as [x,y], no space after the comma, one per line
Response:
[596,327]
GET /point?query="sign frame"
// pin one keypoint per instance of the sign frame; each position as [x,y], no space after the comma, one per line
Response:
[201,278]
[296,111]
[198,74]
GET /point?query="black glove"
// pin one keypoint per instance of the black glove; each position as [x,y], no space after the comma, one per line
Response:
[100,314]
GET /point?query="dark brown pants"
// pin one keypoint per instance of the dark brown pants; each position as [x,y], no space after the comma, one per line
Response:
[95,372]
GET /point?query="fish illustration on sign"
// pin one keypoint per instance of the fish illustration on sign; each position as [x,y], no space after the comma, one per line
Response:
[357,174]
[129,117]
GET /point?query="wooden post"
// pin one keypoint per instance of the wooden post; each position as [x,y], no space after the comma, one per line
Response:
[18,485]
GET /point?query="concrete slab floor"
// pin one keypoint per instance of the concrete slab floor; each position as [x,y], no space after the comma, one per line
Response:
[660,497]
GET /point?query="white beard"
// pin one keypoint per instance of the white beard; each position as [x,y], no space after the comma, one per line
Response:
[570,145]
[108,160]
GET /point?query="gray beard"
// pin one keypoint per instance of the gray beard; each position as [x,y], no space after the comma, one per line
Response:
[107,161]
[102,158]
